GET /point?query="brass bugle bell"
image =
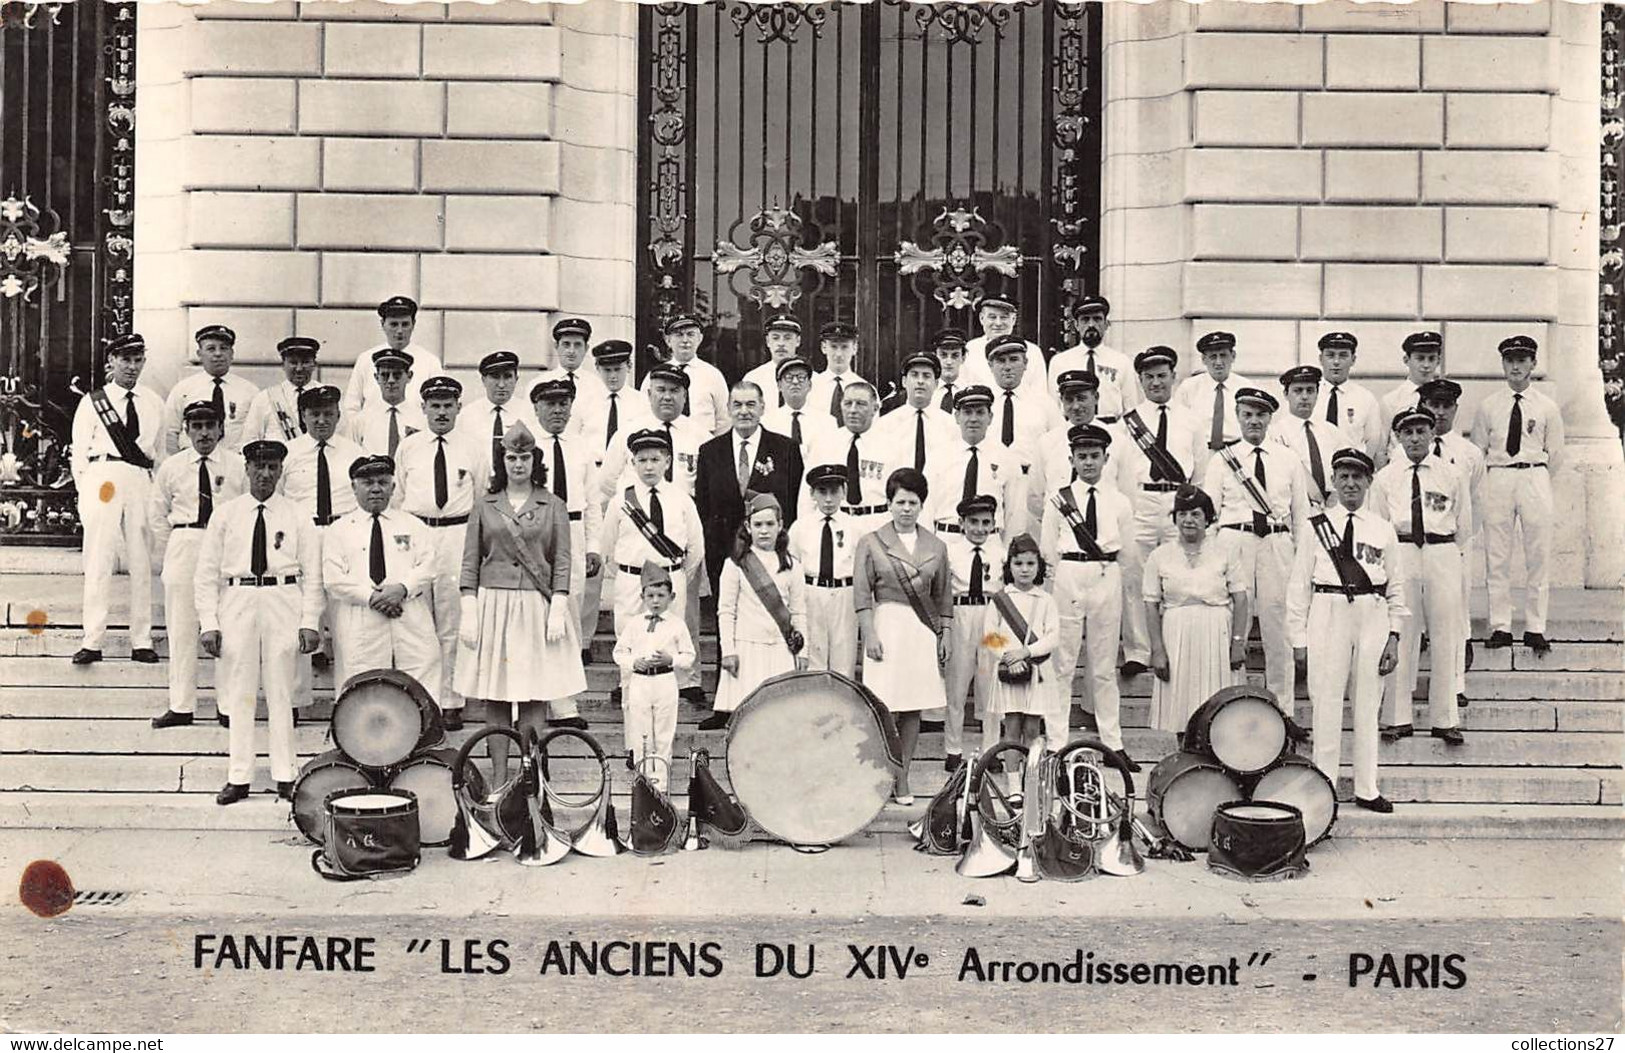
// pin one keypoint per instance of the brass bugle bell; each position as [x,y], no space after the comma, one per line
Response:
[1035,805]
[601,837]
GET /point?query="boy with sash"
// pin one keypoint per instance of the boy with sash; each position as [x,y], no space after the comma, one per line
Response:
[652,520]
[1161,445]
[572,477]
[189,486]
[1092,315]
[274,412]
[975,561]
[1086,524]
[949,347]
[389,418]
[783,340]
[1309,437]
[707,405]
[867,458]
[115,449]
[1210,396]
[666,388]
[794,415]
[916,428]
[1430,506]
[1345,405]
[1261,492]
[972,465]
[491,417]
[1052,457]
[436,471]
[822,540]
[650,649]
[1345,611]
[398,318]
[230,395]
[1442,398]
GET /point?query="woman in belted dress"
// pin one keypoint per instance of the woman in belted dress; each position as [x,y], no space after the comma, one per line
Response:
[517,642]
[905,637]
[1195,590]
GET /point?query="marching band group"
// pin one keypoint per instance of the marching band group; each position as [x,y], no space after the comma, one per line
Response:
[990,529]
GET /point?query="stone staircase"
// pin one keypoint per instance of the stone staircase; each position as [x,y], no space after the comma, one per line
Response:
[1542,759]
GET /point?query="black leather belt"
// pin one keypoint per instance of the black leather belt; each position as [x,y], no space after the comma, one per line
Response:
[1083,557]
[624,569]
[1161,488]
[950,528]
[863,510]
[1272,528]
[1431,539]
[1515,464]
[828,583]
[970,601]
[1375,590]
[658,671]
[321,521]
[444,521]
[1105,420]
[260,583]
[575,517]
[190,526]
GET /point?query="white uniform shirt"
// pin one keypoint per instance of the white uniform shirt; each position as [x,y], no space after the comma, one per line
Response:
[1286,485]
[274,413]
[1052,467]
[898,430]
[765,376]
[362,386]
[583,491]
[1195,395]
[1360,417]
[1114,520]
[590,395]
[370,429]
[1186,442]
[638,640]
[1447,503]
[815,425]
[237,393]
[807,539]
[1401,396]
[409,556]
[1376,549]
[1458,451]
[1119,386]
[961,553]
[479,417]
[976,370]
[592,420]
[414,474]
[687,437]
[997,471]
[1293,434]
[626,546]
[1543,436]
[175,495]
[299,473]
[90,439]
[1034,415]
[707,395]
[875,464]
[292,548]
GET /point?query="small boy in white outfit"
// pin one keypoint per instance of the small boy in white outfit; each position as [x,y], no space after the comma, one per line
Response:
[650,650]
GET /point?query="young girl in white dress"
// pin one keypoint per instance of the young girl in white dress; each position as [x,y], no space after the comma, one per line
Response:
[1025,687]
[752,643]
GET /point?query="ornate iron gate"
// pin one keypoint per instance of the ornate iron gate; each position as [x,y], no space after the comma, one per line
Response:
[885,163]
[67,196]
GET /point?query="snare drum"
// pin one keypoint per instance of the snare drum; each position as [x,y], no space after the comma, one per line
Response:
[384,716]
[1240,727]
[1296,781]
[319,777]
[370,833]
[1257,840]
[428,775]
[1184,792]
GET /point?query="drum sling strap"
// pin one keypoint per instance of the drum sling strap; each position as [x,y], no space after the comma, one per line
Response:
[669,550]
[1159,457]
[1249,485]
[126,446]
[905,577]
[1067,505]
[1353,577]
[761,582]
[290,425]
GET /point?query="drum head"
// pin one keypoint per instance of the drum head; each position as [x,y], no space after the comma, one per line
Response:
[1259,812]
[378,720]
[369,803]
[812,757]
[429,777]
[320,777]
[1186,789]
[1296,781]
[1239,727]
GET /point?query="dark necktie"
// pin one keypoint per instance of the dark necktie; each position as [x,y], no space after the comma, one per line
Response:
[854,485]
[1418,538]
[1438,447]
[257,560]
[1261,522]
[795,426]
[442,490]
[978,571]
[1089,522]
[1091,366]
[826,550]
[1345,547]
[1514,426]
[670,463]
[324,485]
[1215,437]
[375,552]
[394,430]
[219,400]
[654,620]
[972,471]
[496,437]
[296,393]
[561,479]
[657,515]
[1007,429]
[132,419]
[919,440]
[742,471]
[1331,407]
[1162,443]
[835,399]
[614,419]
[1317,469]
[947,402]
[205,493]
[688,400]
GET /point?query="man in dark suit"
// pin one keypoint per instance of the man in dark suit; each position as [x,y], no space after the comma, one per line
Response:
[747,457]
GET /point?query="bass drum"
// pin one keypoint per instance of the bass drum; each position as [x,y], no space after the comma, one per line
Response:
[1240,727]
[428,776]
[1296,781]
[1184,792]
[384,716]
[813,757]
[320,776]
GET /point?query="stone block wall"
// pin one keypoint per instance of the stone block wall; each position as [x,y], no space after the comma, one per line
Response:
[301,162]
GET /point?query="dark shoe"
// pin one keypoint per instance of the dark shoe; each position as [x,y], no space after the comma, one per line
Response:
[1461,700]
[320,661]
[452,719]
[1424,643]
[1498,639]
[953,762]
[930,725]
[714,722]
[573,723]
[232,793]
[1469,654]
[1296,733]
[86,655]
[144,655]
[1087,722]
[284,789]
[172,719]
[1131,668]
[224,720]
[1378,803]
[1395,732]
[1537,643]
[1451,736]
[693,696]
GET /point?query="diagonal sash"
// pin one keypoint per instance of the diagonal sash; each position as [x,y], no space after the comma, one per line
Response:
[669,550]
[1147,443]
[1352,576]
[761,582]
[1249,485]
[126,446]
[905,576]
[1067,505]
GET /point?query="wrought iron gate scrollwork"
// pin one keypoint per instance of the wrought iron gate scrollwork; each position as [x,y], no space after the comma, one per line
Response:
[774,256]
[965,248]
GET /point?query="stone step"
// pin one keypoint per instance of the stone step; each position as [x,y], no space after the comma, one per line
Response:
[262,812]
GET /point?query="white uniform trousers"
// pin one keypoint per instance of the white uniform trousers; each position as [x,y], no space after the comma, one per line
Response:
[445,599]
[578,575]
[180,619]
[1089,602]
[304,683]
[1524,495]
[369,640]
[1271,561]
[970,667]
[1433,582]
[259,641]
[1346,638]
[1153,524]
[113,509]
[649,712]
[592,598]
[832,630]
